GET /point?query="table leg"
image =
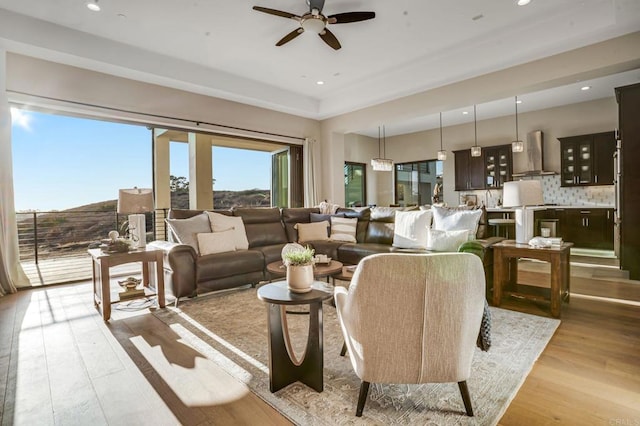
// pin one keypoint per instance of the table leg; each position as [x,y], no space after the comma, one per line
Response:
[284,368]
[565,266]
[160,281]
[500,272]
[145,273]
[556,285]
[105,284]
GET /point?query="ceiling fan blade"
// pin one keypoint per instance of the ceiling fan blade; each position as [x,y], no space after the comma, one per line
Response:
[316,4]
[293,34]
[330,39]
[345,18]
[276,12]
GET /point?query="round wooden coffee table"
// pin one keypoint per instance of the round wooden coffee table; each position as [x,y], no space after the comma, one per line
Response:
[320,270]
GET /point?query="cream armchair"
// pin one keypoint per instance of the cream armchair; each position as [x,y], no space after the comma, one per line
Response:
[413,319]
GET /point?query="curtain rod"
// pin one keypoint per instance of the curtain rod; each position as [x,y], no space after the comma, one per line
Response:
[187,120]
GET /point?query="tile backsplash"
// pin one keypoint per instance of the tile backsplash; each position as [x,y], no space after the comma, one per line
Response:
[553,193]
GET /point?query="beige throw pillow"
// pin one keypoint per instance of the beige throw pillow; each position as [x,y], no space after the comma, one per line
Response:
[185,230]
[220,222]
[216,242]
[344,229]
[315,231]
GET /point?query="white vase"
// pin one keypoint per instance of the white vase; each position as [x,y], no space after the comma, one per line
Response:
[300,278]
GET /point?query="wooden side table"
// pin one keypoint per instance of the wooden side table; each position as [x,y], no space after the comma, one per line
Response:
[505,272]
[284,367]
[101,263]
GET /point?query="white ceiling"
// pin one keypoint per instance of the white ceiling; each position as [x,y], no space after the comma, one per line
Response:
[224,48]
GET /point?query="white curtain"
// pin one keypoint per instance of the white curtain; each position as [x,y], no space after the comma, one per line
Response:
[11,273]
[310,189]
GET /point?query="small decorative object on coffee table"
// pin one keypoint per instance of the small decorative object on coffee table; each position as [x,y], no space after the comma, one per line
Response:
[299,265]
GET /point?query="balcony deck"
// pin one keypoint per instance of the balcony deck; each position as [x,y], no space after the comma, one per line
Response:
[69,269]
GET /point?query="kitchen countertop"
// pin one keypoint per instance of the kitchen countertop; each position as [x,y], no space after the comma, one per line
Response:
[585,206]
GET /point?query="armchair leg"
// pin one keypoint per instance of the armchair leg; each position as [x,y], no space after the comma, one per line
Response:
[362,398]
[464,390]
[344,349]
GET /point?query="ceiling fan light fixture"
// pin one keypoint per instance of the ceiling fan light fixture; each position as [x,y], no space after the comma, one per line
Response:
[313,23]
[93,6]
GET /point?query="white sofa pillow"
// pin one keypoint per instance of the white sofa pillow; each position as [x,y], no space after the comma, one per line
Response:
[315,231]
[216,242]
[344,229]
[185,230]
[220,222]
[445,219]
[445,240]
[410,229]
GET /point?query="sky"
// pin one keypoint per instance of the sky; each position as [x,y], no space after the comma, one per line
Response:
[61,162]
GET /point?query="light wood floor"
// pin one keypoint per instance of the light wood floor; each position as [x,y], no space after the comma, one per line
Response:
[61,364]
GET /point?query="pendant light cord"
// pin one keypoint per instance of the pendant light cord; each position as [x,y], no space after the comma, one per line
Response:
[441,132]
[475,126]
[379,144]
[517,133]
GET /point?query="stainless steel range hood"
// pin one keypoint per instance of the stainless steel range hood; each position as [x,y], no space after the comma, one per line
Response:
[530,162]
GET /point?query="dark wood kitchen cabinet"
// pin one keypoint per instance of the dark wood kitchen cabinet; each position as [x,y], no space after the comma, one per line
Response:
[469,171]
[585,227]
[628,98]
[587,159]
[498,165]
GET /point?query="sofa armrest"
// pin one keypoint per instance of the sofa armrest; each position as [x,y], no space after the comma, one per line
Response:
[180,267]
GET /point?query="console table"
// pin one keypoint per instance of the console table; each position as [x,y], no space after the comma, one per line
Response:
[284,367]
[505,272]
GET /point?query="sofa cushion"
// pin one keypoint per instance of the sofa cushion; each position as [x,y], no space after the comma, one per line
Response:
[445,219]
[263,226]
[312,231]
[352,253]
[344,229]
[326,247]
[271,253]
[293,215]
[410,230]
[446,240]
[220,222]
[216,242]
[220,265]
[185,230]
[363,215]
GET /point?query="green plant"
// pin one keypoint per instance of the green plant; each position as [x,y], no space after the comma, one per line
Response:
[299,258]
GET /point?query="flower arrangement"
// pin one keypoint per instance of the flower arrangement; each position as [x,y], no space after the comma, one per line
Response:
[299,258]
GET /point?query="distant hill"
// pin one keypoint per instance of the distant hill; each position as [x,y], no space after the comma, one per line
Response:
[70,231]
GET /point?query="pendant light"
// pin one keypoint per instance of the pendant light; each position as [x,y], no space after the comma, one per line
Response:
[381,164]
[517,145]
[476,151]
[442,154]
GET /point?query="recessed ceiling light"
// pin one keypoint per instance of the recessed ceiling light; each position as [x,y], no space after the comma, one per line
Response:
[93,6]
[523,2]
[465,112]
[319,82]
[585,88]
[518,101]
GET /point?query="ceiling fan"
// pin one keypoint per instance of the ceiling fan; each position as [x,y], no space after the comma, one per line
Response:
[315,21]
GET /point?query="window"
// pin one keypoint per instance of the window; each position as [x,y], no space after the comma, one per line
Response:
[355,184]
[418,183]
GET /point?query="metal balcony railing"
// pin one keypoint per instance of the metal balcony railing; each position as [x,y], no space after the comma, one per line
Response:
[44,235]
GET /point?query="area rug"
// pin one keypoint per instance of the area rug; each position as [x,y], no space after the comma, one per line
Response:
[231,329]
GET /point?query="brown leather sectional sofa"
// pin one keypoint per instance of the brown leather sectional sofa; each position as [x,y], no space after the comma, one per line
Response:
[268,229]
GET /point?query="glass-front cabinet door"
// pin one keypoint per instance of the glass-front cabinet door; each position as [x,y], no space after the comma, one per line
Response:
[576,161]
